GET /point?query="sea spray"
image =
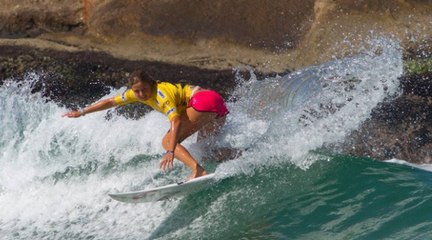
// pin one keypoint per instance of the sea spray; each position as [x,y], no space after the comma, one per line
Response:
[313,107]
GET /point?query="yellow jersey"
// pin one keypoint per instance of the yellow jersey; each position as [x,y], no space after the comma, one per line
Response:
[167,98]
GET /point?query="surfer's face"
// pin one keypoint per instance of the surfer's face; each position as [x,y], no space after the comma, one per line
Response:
[142,90]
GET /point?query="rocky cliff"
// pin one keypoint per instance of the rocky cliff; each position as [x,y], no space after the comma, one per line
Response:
[95,43]
[269,35]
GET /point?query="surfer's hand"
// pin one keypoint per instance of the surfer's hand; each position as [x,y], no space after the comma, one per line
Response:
[167,160]
[72,114]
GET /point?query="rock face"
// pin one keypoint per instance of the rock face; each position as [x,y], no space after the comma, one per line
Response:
[84,47]
[401,128]
[262,23]
[269,35]
[32,18]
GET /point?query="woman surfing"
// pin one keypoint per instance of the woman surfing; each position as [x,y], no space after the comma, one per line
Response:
[188,108]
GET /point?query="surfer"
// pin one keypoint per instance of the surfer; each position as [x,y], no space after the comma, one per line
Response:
[188,108]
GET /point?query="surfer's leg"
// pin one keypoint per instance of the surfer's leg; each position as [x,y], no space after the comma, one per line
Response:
[191,122]
[205,135]
[217,153]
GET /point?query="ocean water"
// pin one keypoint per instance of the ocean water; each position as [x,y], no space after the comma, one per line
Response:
[291,181]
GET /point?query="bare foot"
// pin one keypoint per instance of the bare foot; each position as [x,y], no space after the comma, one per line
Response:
[199,172]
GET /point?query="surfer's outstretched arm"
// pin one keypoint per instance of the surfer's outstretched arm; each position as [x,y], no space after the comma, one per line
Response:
[99,106]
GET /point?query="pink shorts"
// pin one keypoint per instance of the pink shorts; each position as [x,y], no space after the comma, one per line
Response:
[209,101]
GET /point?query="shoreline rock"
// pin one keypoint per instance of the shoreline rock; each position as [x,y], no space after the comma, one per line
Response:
[267,35]
[400,128]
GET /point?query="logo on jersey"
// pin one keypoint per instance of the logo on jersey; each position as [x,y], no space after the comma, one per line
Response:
[161,94]
[123,97]
[170,111]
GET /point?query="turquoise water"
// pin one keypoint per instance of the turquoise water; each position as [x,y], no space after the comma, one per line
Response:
[292,182]
[344,198]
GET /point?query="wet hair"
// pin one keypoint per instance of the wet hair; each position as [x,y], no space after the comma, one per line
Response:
[141,76]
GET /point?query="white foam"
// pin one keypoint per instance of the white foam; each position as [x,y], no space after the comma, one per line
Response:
[313,107]
[424,166]
[37,144]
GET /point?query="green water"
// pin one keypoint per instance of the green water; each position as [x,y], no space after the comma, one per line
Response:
[344,198]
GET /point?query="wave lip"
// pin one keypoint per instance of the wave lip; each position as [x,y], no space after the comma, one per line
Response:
[314,107]
[423,166]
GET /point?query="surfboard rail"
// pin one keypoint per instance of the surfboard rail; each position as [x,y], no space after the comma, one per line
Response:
[169,191]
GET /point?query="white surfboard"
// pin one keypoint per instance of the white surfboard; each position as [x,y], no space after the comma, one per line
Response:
[170,191]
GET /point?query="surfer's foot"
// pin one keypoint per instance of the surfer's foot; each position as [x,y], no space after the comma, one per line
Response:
[198,172]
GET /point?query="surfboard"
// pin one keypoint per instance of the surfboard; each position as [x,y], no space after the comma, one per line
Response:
[170,191]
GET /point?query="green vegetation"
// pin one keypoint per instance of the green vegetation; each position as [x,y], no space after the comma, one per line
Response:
[418,66]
